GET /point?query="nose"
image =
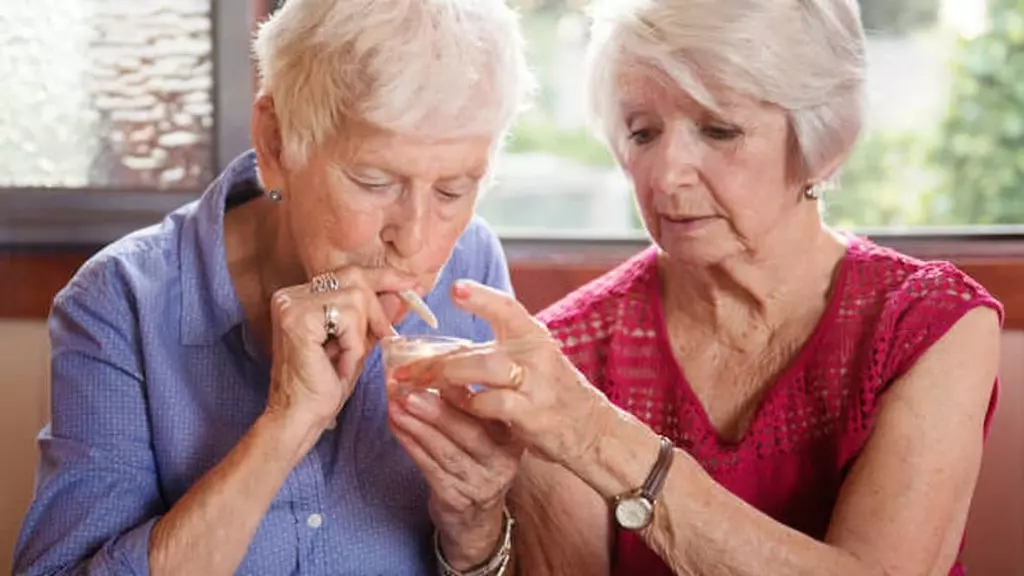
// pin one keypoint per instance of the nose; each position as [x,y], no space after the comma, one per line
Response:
[677,159]
[409,222]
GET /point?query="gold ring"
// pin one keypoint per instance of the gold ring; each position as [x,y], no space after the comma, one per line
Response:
[331,320]
[516,375]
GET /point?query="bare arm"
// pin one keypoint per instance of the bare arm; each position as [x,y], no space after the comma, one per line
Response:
[901,511]
[209,530]
[563,525]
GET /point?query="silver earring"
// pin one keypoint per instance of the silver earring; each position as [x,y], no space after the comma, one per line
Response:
[274,195]
[812,192]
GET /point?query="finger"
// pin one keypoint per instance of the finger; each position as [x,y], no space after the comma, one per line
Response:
[500,405]
[466,433]
[370,282]
[377,321]
[439,480]
[490,367]
[358,308]
[449,457]
[507,317]
[500,432]
[455,395]
[352,344]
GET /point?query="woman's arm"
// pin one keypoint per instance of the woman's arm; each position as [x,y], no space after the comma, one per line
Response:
[902,509]
[98,507]
[209,530]
[563,526]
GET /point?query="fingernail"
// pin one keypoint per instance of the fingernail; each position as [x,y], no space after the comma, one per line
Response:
[398,413]
[421,403]
[461,289]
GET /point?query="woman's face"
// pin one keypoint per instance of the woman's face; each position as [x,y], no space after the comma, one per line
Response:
[379,199]
[708,186]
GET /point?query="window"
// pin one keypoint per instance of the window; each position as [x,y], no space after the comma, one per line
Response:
[107,94]
[943,145]
[115,111]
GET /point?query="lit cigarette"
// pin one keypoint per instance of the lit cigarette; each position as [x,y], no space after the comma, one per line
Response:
[420,307]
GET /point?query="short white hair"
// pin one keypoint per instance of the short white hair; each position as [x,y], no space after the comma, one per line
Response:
[805,56]
[435,68]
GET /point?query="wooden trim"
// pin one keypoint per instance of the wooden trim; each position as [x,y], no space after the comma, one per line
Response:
[29,279]
[1005,280]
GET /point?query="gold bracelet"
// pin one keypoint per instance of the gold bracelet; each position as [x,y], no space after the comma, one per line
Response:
[496,565]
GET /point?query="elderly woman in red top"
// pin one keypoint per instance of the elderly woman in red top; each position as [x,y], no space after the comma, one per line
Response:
[756,393]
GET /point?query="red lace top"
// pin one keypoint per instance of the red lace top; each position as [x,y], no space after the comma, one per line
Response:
[886,309]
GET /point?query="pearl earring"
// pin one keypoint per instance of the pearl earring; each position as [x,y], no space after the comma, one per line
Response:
[274,195]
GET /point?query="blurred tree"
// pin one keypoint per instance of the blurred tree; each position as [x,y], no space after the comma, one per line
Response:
[882,184]
[982,145]
[579,144]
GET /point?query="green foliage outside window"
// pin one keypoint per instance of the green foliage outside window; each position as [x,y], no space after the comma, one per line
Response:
[982,146]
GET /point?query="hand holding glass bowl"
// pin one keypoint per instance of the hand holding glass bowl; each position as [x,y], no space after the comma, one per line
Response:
[469,463]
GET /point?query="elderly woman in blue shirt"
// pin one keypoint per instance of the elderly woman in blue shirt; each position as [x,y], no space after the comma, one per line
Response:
[218,395]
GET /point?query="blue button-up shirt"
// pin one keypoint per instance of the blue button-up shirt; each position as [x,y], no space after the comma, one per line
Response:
[154,382]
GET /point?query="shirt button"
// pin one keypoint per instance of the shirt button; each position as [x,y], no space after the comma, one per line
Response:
[315,521]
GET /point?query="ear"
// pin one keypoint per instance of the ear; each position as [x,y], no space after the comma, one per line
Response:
[267,142]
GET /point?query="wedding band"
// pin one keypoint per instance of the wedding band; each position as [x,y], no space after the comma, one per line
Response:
[516,374]
[326,282]
[331,320]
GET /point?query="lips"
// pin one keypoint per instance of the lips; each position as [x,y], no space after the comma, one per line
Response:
[685,219]
[678,225]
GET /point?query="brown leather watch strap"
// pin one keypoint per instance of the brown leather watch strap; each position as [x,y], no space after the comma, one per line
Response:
[656,479]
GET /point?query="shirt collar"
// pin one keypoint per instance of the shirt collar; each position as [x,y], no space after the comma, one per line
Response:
[210,307]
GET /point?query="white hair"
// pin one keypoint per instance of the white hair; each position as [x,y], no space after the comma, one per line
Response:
[805,56]
[436,68]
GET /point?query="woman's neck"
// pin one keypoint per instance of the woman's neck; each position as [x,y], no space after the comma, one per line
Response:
[261,261]
[744,299]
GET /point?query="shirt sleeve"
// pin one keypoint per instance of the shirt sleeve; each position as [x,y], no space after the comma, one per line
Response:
[97,494]
[929,303]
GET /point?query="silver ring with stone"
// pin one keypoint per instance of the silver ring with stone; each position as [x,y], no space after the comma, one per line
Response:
[332,320]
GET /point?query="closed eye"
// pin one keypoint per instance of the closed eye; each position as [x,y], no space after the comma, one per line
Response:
[449,195]
[721,133]
[642,136]
[374,186]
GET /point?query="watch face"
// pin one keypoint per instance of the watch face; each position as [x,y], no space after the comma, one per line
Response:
[634,513]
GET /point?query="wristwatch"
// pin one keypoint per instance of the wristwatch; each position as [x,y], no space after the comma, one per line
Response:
[634,510]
